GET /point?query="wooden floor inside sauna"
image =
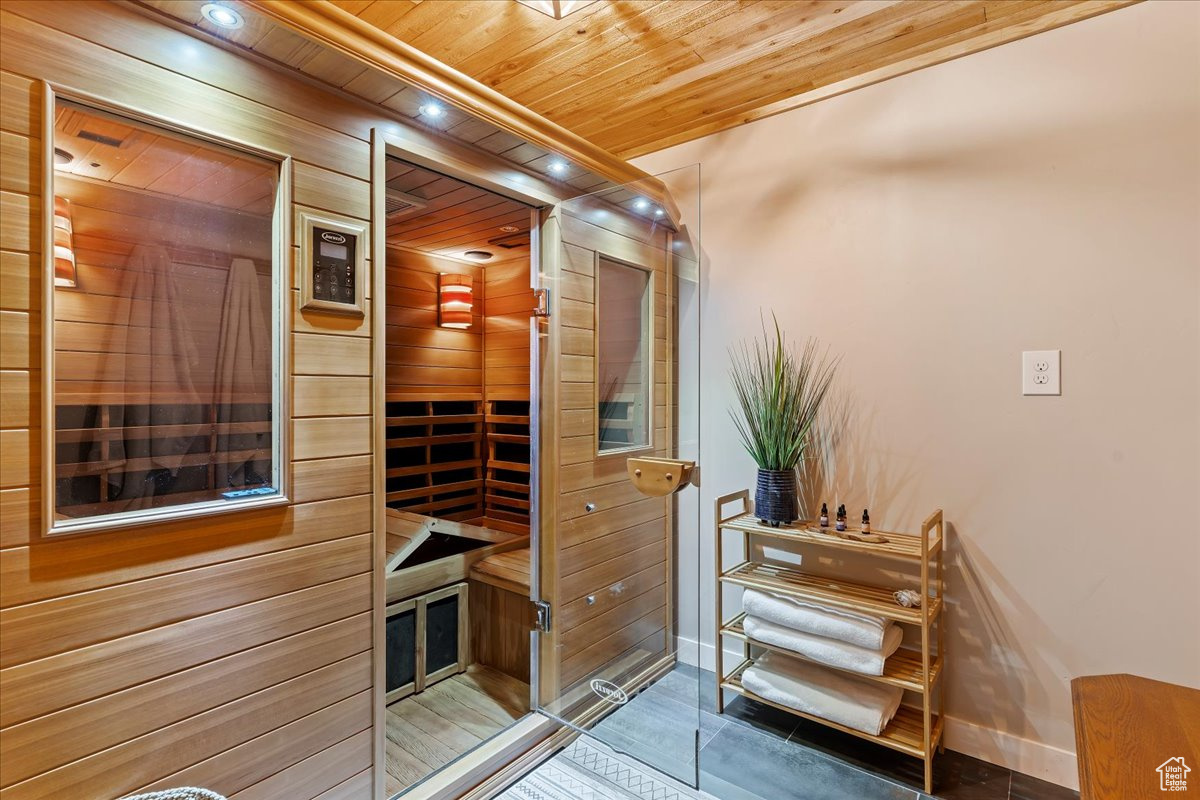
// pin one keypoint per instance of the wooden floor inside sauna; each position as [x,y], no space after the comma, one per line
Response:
[428,730]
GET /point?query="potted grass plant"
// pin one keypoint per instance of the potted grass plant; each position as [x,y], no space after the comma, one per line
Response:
[779,393]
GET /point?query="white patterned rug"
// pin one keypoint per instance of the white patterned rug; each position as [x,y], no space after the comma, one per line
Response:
[588,770]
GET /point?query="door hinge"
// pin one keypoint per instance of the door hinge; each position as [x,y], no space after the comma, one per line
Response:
[542,610]
[541,302]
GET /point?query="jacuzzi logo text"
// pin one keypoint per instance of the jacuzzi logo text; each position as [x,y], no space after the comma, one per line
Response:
[610,692]
[330,236]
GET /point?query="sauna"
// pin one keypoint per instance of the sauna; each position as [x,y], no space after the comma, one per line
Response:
[330,421]
[528,576]
[457,466]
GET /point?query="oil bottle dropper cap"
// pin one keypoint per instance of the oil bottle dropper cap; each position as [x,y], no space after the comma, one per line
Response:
[866,518]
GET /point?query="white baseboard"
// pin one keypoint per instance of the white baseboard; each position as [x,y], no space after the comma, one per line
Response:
[1040,760]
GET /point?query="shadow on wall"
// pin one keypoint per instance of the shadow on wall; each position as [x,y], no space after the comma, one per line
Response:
[984,651]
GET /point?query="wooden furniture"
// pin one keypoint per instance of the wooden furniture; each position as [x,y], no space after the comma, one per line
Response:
[427,640]
[411,571]
[502,615]
[916,731]
[1127,728]
[427,564]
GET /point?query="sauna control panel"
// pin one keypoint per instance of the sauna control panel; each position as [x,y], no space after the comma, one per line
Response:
[332,264]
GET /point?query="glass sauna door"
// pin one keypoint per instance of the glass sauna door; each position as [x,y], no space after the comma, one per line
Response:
[617,569]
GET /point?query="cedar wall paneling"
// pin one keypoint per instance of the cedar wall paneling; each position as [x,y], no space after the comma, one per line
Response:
[424,360]
[506,330]
[620,553]
[231,652]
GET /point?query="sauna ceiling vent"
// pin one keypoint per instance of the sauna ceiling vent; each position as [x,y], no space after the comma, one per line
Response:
[399,204]
[100,138]
[512,241]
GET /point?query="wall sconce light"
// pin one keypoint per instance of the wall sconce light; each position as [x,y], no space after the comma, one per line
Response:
[454,301]
[64,246]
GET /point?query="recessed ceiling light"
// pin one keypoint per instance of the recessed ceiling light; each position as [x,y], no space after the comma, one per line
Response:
[477,255]
[432,110]
[222,16]
[62,156]
[641,204]
[509,228]
[558,167]
[658,212]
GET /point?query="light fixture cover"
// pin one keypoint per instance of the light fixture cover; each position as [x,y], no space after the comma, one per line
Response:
[454,301]
[64,244]
[556,8]
[222,16]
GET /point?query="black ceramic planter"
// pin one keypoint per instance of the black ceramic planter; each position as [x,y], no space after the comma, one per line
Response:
[775,497]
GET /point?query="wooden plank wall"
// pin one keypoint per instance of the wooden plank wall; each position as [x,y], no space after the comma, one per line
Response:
[234,652]
[506,379]
[506,326]
[93,352]
[620,553]
[423,359]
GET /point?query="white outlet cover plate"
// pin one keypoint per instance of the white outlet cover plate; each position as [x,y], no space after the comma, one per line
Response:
[1041,372]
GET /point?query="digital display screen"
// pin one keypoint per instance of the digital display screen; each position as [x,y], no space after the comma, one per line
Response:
[331,250]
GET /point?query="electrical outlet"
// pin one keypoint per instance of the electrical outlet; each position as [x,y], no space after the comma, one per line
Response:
[1041,372]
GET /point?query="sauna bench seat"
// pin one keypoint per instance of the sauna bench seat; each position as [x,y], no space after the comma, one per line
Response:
[426,553]
[508,571]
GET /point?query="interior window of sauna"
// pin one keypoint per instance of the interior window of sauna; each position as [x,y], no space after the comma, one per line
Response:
[165,320]
[623,336]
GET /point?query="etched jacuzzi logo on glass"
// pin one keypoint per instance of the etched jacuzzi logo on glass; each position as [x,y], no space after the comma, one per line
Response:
[335,238]
[609,692]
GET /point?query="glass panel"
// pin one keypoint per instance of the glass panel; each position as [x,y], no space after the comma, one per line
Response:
[164,320]
[623,336]
[441,633]
[401,658]
[619,569]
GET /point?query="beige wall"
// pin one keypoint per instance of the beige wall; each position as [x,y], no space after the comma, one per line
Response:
[1042,195]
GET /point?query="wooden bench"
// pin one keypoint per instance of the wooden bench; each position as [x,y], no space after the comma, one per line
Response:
[501,613]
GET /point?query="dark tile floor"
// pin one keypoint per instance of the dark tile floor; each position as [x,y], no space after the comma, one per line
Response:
[756,752]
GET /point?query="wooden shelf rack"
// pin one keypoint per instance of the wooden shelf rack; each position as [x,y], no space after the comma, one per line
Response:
[916,729]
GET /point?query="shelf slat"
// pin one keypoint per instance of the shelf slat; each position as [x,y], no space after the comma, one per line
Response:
[903,733]
[898,545]
[841,594]
[903,668]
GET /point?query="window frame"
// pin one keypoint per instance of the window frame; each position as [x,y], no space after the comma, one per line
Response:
[280,305]
[651,333]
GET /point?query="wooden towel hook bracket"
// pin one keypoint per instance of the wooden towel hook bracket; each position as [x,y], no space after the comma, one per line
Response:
[658,477]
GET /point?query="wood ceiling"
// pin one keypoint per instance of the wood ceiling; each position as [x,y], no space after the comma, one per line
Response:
[104,149]
[269,41]
[638,75]
[453,217]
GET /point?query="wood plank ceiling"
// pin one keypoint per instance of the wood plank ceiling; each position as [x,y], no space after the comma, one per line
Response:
[638,75]
[264,39]
[451,218]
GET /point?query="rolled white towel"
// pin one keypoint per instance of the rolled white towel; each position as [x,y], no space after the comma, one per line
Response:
[847,626]
[820,648]
[822,692]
